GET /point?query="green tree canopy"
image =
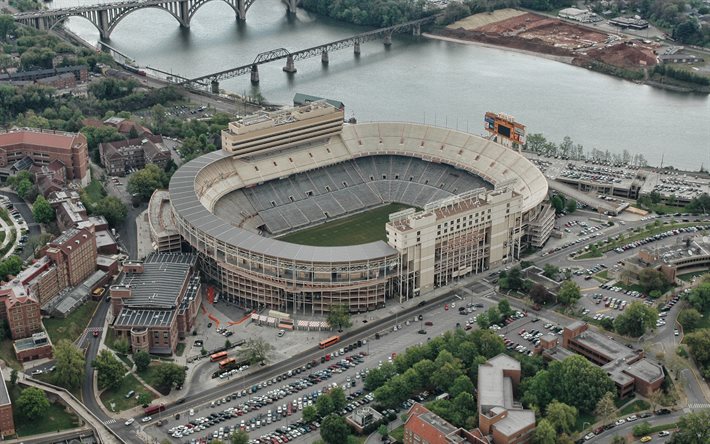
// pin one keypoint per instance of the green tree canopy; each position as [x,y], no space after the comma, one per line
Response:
[569,293]
[689,319]
[334,430]
[112,208]
[32,403]
[551,271]
[70,364]
[635,320]
[143,182]
[339,317]
[699,345]
[561,416]
[170,375]
[693,428]
[110,370]
[10,267]
[544,433]
[258,350]
[699,297]
[239,437]
[42,210]
[142,360]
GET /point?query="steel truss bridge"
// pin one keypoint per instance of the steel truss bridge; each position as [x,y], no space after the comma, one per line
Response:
[321,50]
[106,16]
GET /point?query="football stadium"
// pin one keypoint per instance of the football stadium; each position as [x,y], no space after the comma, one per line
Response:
[299,211]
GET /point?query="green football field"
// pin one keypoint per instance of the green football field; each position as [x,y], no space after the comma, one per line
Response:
[353,230]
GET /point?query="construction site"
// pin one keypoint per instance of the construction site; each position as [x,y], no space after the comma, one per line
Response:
[567,42]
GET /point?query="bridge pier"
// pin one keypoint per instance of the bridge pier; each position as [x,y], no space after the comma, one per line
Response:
[387,40]
[214,85]
[356,48]
[184,14]
[290,67]
[102,21]
[292,5]
[417,29]
[254,75]
[324,58]
[241,10]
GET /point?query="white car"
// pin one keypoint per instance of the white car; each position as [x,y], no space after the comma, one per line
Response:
[129,421]
[620,421]
[676,332]
[146,419]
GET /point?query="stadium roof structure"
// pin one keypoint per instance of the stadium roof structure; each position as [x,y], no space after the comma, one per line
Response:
[197,183]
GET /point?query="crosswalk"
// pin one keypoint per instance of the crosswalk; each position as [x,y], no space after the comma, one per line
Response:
[88,332]
[699,406]
[110,421]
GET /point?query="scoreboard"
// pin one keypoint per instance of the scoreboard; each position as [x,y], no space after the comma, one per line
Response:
[504,126]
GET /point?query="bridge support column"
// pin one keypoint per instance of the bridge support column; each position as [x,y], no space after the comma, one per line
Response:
[290,67]
[292,4]
[241,10]
[324,58]
[356,48]
[417,29]
[39,23]
[254,75]
[214,85]
[184,15]
[387,40]
[102,19]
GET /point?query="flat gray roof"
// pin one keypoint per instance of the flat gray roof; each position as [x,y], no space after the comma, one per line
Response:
[515,421]
[4,395]
[645,370]
[188,205]
[159,285]
[144,318]
[493,389]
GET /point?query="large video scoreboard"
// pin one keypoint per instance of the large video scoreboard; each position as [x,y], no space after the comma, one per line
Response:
[505,126]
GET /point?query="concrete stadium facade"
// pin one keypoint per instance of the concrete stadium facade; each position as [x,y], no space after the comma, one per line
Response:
[253,269]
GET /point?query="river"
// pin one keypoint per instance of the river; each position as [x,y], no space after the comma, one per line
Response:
[421,80]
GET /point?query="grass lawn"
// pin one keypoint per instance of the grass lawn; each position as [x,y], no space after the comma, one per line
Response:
[95,191]
[589,255]
[117,396]
[398,433]
[49,378]
[583,420]
[56,418]
[353,230]
[645,233]
[150,376]
[74,324]
[7,354]
[602,276]
[637,406]
[126,360]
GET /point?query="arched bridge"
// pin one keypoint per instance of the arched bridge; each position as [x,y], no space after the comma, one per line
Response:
[106,16]
[321,50]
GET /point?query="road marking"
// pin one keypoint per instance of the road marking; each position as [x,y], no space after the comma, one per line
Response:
[699,406]
[110,421]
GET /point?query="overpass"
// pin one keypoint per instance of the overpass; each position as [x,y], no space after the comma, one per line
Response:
[106,16]
[321,50]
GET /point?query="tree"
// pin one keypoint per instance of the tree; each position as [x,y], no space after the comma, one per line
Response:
[378,376]
[699,297]
[13,377]
[635,320]
[42,210]
[109,369]
[544,433]
[324,406]
[539,294]
[170,375]
[7,26]
[569,293]
[618,440]
[32,403]
[605,408]
[69,372]
[142,360]
[144,398]
[483,321]
[653,280]
[561,416]
[239,437]
[258,350]
[382,430]
[333,429]
[10,267]
[310,413]
[550,271]
[642,429]
[122,346]
[504,308]
[462,384]
[689,318]
[570,206]
[339,317]
[557,203]
[693,428]
[112,208]
[143,182]
[699,345]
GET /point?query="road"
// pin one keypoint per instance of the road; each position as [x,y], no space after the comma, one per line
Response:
[24,209]
[627,428]
[91,343]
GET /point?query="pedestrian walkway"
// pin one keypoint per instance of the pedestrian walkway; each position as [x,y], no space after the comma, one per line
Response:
[110,421]
[699,406]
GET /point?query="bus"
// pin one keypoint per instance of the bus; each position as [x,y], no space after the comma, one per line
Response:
[218,356]
[153,409]
[328,342]
[226,363]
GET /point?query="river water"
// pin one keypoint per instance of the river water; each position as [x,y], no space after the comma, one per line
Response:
[420,80]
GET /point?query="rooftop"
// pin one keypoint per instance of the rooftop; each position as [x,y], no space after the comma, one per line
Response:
[40,137]
[516,421]
[144,318]
[4,395]
[493,389]
[645,370]
[34,341]
[161,281]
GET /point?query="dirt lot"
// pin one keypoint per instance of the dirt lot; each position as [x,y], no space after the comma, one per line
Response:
[545,35]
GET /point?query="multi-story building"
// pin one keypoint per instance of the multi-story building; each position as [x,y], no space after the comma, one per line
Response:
[628,368]
[156,302]
[21,311]
[161,221]
[423,426]
[7,423]
[499,415]
[122,156]
[75,253]
[42,147]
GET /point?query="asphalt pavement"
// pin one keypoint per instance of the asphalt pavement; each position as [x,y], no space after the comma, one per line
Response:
[33,228]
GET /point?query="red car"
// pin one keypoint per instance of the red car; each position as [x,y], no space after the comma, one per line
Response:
[446,306]
[96,334]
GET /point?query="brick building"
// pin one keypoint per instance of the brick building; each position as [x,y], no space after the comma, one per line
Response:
[37,346]
[75,253]
[423,426]
[42,148]
[499,415]
[628,368]
[7,424]
[156,302]
[123,155]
